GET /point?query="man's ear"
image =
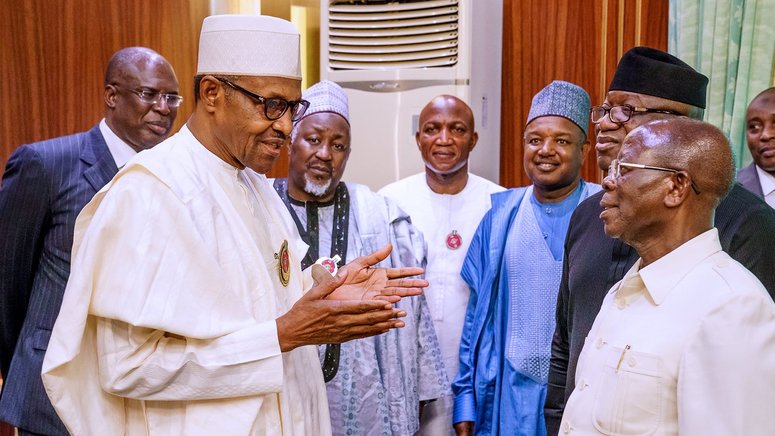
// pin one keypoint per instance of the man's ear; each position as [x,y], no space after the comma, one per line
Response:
[585,149]
[680,188]
[110,95]
[474,140]
[210,91]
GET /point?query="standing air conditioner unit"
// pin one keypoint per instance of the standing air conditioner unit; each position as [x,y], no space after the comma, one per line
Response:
[392,57]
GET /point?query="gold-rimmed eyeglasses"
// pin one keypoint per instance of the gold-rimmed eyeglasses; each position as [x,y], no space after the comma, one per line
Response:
[615,171]
[152,96]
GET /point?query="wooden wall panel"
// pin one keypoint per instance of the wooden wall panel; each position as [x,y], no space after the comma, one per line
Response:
[580,42]
[54,55]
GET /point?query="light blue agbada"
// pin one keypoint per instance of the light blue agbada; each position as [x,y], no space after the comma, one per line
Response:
[504,352]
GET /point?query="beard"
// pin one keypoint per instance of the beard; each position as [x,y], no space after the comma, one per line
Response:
[316,189]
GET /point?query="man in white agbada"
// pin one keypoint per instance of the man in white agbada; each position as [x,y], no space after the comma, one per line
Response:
[446,203]
[186,310]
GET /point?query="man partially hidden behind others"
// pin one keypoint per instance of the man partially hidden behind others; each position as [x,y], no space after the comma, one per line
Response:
[759,176]
[446,202]
[45,186]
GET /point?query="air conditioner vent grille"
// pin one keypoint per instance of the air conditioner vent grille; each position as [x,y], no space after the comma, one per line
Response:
[366,35]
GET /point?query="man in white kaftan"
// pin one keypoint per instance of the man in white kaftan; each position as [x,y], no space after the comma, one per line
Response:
[186,310]
[204,231]
[446,203]
[684,344]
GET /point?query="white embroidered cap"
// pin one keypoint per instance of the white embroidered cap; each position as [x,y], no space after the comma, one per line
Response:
[326,96]
[249,45]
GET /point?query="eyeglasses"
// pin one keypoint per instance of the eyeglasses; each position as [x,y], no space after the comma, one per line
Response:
[150,97]
[274,108]
[615,171]
[623,113]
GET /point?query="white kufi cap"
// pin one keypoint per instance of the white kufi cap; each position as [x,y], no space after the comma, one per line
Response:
[249,45]
[326,96]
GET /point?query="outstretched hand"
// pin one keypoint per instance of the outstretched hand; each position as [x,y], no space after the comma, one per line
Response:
[363,282]
[315,319]
[355,304]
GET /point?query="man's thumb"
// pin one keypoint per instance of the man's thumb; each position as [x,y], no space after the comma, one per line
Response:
[325,283]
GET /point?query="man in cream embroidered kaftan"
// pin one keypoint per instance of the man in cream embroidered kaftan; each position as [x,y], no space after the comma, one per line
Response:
[222,372]
[382,380]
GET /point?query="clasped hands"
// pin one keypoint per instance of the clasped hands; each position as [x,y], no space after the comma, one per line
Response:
[357,303]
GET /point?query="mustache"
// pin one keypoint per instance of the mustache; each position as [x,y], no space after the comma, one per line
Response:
[319,164]
[276,135]
[276,138]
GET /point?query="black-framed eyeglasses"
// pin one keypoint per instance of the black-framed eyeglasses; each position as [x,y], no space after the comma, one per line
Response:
[150,97]
[275,107]
[623,113]
[615,171]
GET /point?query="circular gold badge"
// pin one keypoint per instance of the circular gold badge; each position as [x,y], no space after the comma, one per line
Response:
[284,264]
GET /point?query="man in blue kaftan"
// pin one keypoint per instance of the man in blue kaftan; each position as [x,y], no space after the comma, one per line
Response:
[513,267]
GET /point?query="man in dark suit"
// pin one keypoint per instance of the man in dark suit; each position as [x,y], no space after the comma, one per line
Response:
[759,176]
[648,84]
[45,186]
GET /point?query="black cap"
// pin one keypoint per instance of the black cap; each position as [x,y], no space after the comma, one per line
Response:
[649,71]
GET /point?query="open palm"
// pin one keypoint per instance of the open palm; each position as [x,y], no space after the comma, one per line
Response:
[364,282]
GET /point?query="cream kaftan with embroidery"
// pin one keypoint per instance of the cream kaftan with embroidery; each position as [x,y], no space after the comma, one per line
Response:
[168,320]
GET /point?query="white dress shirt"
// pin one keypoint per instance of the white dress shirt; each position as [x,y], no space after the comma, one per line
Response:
[120,150]
[767,181]
[685,345]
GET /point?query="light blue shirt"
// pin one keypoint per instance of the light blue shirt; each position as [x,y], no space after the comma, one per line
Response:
[554,218]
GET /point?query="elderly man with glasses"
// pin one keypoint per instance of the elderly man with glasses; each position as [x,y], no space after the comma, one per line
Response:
[685,342]
[187,311]
[648,85]
[45,186]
